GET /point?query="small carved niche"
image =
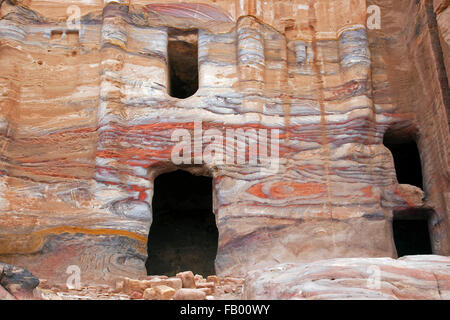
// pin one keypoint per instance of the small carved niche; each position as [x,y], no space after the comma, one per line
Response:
[68,37]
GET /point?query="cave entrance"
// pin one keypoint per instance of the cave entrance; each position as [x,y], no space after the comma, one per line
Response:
[408,166]
[411,231]
[183,235]
[182,52]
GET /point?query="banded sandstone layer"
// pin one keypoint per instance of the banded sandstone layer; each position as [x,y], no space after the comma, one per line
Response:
[86,124]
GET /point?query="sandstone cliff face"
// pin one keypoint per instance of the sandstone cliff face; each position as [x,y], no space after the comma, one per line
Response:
[86,122]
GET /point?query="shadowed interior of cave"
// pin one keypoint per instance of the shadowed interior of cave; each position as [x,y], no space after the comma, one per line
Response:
[411,232]
[183,235]
[407,162]
[182,49]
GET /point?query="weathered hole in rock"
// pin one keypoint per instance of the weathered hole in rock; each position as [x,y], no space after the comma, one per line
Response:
[407,162]
[411,232]
[183,235]
[182,52]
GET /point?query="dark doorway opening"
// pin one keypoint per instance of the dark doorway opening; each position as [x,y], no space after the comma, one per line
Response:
[182,52]
[411,232]
[183,235]
[407,162]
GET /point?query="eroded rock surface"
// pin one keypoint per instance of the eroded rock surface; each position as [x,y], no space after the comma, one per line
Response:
[150,288]
[16,283]
[410,277]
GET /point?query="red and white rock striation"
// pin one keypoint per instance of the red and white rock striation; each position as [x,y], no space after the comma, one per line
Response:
[411,277]
[86,124]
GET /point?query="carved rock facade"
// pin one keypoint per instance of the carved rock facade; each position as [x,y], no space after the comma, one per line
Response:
[86,124]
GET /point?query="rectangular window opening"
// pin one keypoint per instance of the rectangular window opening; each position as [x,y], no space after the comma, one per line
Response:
[182,53]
